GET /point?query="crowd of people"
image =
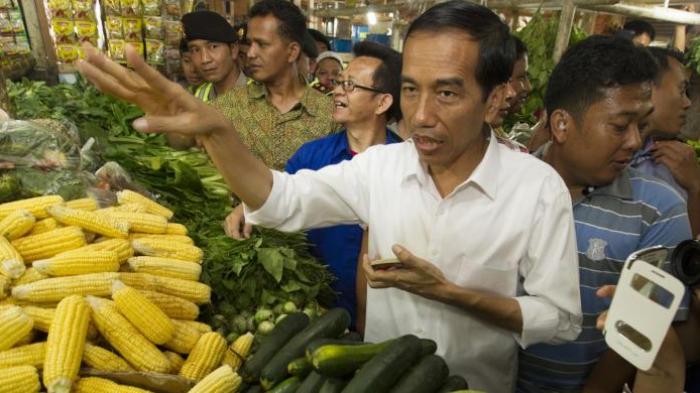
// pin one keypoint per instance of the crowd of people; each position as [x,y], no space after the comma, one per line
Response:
[432,220]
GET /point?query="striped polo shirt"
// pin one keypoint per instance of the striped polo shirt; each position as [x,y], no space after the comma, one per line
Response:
[634,212]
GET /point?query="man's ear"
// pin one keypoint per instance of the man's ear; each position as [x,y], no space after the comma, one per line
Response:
[294,51]
[234,50]
[561,125]
[496,96]
[385,102]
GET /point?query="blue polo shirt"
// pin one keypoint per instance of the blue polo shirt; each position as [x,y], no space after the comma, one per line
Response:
[337,246]
[634,212]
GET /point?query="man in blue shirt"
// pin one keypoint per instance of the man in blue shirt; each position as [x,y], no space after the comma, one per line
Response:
[366,99]
[597,98]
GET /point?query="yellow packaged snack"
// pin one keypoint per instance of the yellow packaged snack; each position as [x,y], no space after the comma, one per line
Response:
[63,30]
[83,10]
[114,27]
[132,29]
[131,7]
[67,53]
[60,8]
[173,8]
[116,50]
[86,31]
[153,26]
[6,26]
[151,7]
[173,32]
[154,52]
[112,7]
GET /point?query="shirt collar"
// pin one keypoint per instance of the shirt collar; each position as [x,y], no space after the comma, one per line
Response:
[485,175]
[643,154]
[257,90]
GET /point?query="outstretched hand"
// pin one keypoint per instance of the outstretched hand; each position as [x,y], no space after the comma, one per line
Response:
[168,107]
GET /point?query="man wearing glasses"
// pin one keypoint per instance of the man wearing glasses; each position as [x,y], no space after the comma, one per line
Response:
[366,98]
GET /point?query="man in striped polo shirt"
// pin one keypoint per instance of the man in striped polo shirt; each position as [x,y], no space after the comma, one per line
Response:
[597,98]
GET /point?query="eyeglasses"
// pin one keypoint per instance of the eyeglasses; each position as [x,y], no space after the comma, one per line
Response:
[349,86]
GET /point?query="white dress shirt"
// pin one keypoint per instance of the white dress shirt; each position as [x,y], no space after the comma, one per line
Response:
[508,230]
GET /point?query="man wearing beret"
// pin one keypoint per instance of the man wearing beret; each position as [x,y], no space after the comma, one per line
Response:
[213,46]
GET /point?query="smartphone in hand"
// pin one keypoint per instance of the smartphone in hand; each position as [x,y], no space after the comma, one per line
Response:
[386,263]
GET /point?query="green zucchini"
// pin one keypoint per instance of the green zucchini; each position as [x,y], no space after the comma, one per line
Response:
[319,342]
[340,360]
[271,344]
[428,346]
[425,377]
[381,372]
[299,367]
[453,384]
[289,385]
[312,383]
[333,385]
[331,324]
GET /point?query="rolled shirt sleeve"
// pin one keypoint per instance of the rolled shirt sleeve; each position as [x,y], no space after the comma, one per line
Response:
[551,302]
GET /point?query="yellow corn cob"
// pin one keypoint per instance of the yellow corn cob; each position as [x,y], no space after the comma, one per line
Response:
[17,224]
[26,355]
[65,344]
[176,361]
[121,246]
[166,249]
[128,196]
[12,268]
[30,275]
[45,225]
[37,206]
[87,204]
[126,339]
[76,263]
[90,221]
[14,326]
[238,351]
[26,339]
[19,379]
[205,356]
[101,359]
[127,207]
[47,244]
[5,283]
[101,385]
[170,238]
[42,317]
[55,289]
[173,306]
[184,338]
[199,326]
[193,291]
[8,252]
[140,222]
[176,229]
[142,313]
[221,380]
[166,267]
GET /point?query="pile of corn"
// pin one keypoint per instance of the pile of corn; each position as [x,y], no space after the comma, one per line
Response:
[112,289]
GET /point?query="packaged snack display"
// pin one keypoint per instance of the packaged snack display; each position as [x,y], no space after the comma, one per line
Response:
[15,53]
[67,53]
[153,26]
[82,10]
[63,30]
[5,26]
[173,8]
[112,7]
[60,8]
[151,7]
[114,27]
[116,50]
[173,32]
[131,7]
[86,31]
[154,52]
[132,29]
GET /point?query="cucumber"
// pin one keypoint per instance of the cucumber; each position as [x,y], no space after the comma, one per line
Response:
[319,342]
[453,384]
[381,372]
[271,344]
[312,383]
[425,377]
[289,385]
[299,367]
[339,360]
[333,385]
[331,324]
[427,346]
[351,336]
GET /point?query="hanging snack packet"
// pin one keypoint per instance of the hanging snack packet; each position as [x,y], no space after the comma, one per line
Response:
[63,31]
[154,52]
[153,26]
[132,29]
[67,53]
[173,32]
[116,50]
[173,8]
[112,7]
[131,7]
[83,10]
[86,31]
[114,27]
[60,8]
[151,7]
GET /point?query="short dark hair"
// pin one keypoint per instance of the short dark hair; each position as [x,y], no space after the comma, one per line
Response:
[387,77]
[640,27]
[520,48]
[320,37]
[496,45]
[662,56]
[291,21]
[593,65]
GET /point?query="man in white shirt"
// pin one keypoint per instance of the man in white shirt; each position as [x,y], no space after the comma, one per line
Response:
[485,234]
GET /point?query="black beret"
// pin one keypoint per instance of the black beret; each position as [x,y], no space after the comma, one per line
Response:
[208,25]
[308,46]
[320,37]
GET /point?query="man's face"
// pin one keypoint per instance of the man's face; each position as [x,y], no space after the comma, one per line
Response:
[269,54]
[191,75]
[243,47]
[322,47]
[601,144]
[360,104]
[328,70]
[499,108]
[441,101]
[520,84]
[642,39]
[214,60]
[670,98]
